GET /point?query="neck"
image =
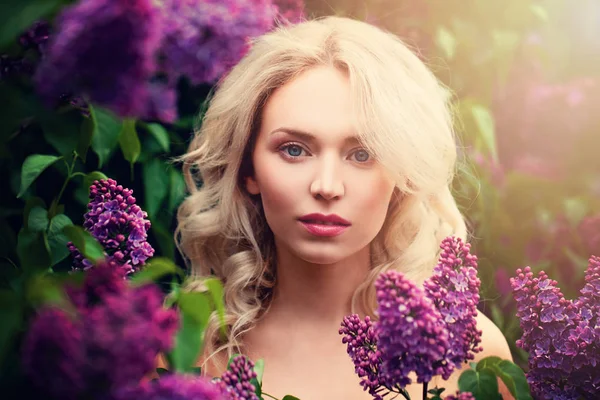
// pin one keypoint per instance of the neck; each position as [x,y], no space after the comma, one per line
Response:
[318,293]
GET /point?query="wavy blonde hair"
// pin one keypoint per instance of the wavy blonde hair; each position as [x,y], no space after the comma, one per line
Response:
[404,120]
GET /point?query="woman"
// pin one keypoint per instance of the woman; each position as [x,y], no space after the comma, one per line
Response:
[325,158]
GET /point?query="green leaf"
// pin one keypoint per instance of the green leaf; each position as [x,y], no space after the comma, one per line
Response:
[107,127]
[511,374]
[156,268]
[57,240]
[38,219]
[482,384]
[162,371]
[485,123]
[129,141]
[188,343]
[290,397]
[30,204]
[85,242]
[156,185]
[89,179]
[33,250]
[446,41]
[44,290]
[86,135]
[18,15]
[197,305]
[164,238]
[32,167]
[62,131]
[161,135]
[177,188]
[215,288]
[259,368]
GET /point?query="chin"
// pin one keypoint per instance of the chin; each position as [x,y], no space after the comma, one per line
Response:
[322,256]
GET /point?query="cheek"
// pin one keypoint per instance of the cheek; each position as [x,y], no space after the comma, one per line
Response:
[278,188]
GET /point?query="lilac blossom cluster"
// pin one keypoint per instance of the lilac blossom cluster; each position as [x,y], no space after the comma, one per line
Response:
[104,50]
[112,52]
[118,224]
[429,331]
[454,290]
[562,336]
[460,396]
[411,334]
[359,336]
[108,341]
[204,38]
[172,387]
[235,383]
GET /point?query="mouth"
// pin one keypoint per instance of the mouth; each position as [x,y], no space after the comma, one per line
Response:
[324,225]
[325,220]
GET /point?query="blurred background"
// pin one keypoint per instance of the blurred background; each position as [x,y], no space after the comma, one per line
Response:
[525,75]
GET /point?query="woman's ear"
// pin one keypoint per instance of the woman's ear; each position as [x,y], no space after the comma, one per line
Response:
[252,185]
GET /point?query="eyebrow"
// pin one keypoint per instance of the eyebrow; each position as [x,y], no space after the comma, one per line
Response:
[310,137]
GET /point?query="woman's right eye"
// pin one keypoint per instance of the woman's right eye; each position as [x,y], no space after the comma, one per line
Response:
[291,150]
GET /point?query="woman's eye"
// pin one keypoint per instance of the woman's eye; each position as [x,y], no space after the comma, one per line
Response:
[292,150]
[361,155]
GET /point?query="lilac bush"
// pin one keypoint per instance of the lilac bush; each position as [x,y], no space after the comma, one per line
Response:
[104,50]
[173,387]
[108,342]
[204,38]
[562,336]
[429,331]
[119,224]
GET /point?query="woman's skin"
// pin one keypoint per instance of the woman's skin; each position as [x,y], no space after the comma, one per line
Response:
[327,172]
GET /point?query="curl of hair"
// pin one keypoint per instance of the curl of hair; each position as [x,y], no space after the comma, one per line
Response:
[403,119]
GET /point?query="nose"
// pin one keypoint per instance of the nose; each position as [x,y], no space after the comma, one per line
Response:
[328,183]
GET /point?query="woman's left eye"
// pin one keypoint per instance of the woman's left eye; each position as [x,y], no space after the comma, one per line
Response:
[362,156]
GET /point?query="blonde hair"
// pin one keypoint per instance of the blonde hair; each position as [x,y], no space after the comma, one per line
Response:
[404,120]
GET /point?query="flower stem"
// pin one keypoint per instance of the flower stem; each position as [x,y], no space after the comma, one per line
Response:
[425,390]
[268,395]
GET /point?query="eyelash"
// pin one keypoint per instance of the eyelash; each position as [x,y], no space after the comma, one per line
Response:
[285,146]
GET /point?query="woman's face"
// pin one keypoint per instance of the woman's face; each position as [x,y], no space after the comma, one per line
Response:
[307,160]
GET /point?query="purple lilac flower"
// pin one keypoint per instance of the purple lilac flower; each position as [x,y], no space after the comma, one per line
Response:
[162,103]
[118,224]
[290,11]
[105,50]
[411,332]
[53,353]
[454,290]
[172,387]
[460,396]
[361,343]
[562,336]
[235,382]
[36,36]
[111,343]
[204,38]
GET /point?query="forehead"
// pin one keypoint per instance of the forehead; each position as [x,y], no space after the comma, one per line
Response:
[318,101]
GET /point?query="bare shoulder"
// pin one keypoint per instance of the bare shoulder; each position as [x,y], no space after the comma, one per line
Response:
[493,343]
[492,339]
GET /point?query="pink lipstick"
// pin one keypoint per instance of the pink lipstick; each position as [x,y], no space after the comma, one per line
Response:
[324,225]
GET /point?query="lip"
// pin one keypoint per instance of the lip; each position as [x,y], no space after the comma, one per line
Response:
[314,224]
[317,218]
